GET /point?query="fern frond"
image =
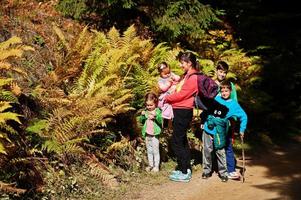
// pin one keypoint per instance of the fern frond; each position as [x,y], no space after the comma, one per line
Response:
[114,37]
[52,146]
[12,41]
[100,171]
[4,105]
[4,65]
[38,127]
[5,81]
[81,39]
[62,38]
[86,48]
[122,99]
[119,146]
[8,96]
[9,116]
[5,116]
[2,149]
[95,86]
[70,147]
[11,53]
[129,34]
[7,128]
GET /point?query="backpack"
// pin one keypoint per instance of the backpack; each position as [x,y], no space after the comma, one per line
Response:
[207,90]
[221,126]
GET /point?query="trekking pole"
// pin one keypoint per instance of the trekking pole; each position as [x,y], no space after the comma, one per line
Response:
[243,159]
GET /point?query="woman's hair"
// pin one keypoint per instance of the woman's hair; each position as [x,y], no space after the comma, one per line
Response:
[226,84]
[189,57]
[151,97]
[222,65]
[162,66]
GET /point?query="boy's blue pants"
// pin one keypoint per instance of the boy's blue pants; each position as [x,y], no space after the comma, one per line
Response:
[230,154]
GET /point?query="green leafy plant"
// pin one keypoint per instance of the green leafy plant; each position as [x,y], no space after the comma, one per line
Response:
[183,18]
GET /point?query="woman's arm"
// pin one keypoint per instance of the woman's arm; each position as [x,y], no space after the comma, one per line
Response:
[188,89]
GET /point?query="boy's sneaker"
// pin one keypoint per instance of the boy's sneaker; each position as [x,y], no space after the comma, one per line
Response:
[233,175]
[224,178]
[155,169]
[206,175]
[180,177]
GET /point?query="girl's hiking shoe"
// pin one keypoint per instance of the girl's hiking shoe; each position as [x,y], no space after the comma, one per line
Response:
[234,176]
[180,177]
[155,169]
[148,169]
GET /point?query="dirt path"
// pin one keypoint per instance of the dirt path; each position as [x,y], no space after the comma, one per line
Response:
[271,175]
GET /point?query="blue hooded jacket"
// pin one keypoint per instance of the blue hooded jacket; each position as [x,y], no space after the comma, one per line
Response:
[235,110]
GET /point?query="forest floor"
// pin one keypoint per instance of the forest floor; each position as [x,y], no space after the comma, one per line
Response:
[273,174]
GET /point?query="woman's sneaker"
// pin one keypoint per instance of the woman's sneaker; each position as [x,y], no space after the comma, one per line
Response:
[180,177]
[175,172]
[233,175]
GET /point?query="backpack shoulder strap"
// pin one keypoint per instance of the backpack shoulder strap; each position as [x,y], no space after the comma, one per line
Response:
[196,73]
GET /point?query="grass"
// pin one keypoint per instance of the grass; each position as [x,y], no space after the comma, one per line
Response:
[80,184]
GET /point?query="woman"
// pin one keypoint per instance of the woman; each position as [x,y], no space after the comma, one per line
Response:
[182,102]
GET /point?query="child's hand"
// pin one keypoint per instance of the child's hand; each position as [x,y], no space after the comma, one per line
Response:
[143,112]
[242,135]
[151,116]
[202,126]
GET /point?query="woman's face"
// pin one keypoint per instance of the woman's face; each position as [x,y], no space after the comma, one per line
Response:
[185,65]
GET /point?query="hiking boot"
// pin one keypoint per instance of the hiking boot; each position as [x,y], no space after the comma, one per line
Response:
[233,175]
[206,175]
[224,178]
[180,177]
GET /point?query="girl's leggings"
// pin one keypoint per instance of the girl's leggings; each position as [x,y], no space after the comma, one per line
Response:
[153,154]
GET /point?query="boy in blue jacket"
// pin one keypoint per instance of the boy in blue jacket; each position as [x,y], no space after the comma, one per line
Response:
[235,111]
[219,133]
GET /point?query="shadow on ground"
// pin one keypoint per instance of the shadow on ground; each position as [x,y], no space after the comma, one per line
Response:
[283,164]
